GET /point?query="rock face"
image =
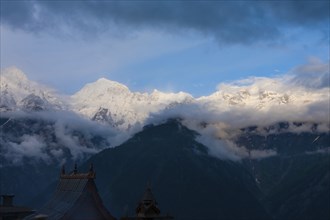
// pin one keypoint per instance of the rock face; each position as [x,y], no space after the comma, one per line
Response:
[34,103]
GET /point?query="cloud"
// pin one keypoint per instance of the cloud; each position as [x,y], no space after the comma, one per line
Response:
[300,98]
[315,74]
[226,21]
[30,146]
[220,148]
[219,129]
[53,137]
[226,149]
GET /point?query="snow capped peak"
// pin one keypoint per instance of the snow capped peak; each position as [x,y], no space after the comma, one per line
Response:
[106,99]
[102,79]
[14,74]
[113,103]
[170,96]
[109,83]
[101,87]
[263,93]
[15,87]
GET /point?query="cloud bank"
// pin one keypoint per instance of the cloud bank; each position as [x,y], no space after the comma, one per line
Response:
[52,137]
[300,98]
[226,21]
[300,95]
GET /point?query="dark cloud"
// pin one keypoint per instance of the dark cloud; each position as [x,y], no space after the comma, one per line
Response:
[227,21]
[314,75]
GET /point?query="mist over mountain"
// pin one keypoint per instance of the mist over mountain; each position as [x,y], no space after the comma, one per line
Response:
[192,184]
[109,110]
[264,141]
[189,183]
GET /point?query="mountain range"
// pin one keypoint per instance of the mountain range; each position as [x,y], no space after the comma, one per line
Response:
[110,110]
[113,103]
[251,150]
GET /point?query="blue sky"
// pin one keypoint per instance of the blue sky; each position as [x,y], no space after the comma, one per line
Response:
[189,46]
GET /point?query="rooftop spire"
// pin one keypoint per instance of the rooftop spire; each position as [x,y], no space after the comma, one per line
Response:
[147,208]
[91,168]
[148,197]
[75,171]
[63,170]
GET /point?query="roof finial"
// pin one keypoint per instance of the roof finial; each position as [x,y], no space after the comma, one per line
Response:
[63,170]
[148,185]
[75,171]
[91,168]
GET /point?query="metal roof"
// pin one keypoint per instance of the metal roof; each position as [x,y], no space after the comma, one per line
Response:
[76,197]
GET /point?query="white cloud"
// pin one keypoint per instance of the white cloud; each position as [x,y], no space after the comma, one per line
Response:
[58,135]
[29,146]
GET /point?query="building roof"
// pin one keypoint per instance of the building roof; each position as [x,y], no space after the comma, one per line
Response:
[18,211]
[9,211]
[76,197]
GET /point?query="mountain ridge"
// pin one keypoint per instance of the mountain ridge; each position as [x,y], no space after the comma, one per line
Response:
[189,183]
[15,87]
[184,178]
[127,109]
[110,104]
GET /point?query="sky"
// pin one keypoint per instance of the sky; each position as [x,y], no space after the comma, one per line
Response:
[172,46]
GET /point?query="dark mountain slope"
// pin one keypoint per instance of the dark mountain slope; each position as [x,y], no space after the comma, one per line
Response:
[186,181]
[295,182]
[286,143]
[295,187]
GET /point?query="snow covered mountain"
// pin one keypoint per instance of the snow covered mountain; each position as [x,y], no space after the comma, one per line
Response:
[111,102]
[264,93]
[114,103]
[19,93]
[244,103]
